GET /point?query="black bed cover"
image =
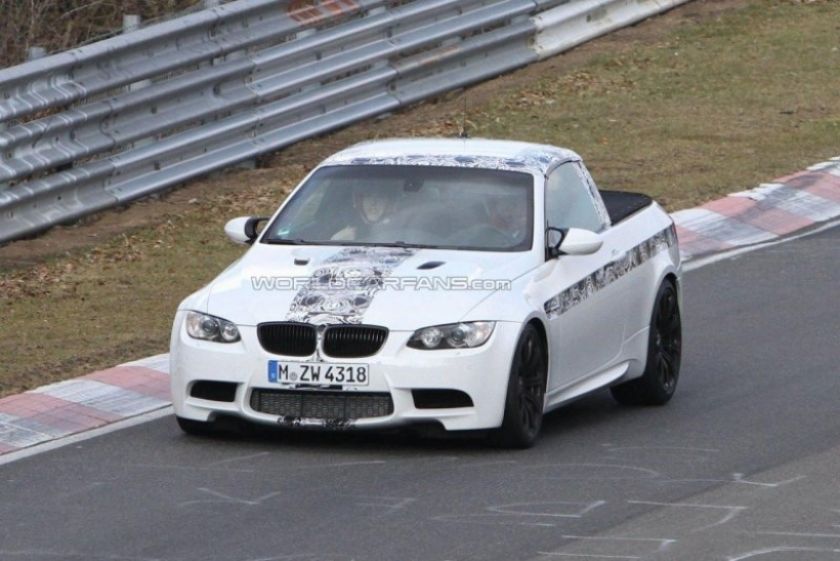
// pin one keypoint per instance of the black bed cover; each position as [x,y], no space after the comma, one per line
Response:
[621,204]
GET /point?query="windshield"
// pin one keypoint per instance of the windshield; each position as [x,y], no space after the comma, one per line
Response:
[414,206]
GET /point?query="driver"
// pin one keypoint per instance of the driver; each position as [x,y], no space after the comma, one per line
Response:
[374,205]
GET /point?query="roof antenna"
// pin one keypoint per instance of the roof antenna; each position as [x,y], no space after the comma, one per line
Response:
[463,132]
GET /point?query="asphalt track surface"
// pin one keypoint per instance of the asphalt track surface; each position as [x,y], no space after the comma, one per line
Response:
[743,464]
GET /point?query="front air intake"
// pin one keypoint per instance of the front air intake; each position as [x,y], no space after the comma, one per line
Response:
[440,399]
[322,404]
[214,391]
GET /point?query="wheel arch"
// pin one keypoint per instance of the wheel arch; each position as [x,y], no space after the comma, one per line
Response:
[674,277]
[666,271]
[666,274]
[539,324]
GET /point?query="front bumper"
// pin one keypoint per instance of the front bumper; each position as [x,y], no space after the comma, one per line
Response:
[481,373]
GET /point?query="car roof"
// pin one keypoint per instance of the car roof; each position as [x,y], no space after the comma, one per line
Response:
[455,152]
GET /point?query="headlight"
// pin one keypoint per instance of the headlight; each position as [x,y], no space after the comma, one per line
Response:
[452,336]
[210,328]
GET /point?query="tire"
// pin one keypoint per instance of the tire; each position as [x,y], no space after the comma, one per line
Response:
[195,428]
[658,383]
[525,399]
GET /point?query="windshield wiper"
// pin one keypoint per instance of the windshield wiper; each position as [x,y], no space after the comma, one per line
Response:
[283,241]
[400,243]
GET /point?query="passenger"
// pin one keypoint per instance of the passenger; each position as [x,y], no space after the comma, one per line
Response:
[509,215]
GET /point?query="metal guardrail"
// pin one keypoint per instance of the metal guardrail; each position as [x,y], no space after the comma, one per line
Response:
[106,123]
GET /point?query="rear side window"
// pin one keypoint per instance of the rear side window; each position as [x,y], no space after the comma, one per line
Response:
[568,202]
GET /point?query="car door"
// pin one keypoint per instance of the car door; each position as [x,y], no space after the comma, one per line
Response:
[586,313]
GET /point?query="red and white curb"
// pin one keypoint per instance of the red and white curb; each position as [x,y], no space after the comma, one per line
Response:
[761,215]
[85,403]
[764,214]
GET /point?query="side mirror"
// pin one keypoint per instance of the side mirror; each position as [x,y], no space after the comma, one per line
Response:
[244,229]
[580,242]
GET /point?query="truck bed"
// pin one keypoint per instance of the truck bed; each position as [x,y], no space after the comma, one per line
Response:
[621,204]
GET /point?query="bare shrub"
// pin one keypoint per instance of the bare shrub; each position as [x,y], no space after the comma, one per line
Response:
[60,24]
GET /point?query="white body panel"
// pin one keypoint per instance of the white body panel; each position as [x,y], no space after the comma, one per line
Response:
[396,369]
[594,309]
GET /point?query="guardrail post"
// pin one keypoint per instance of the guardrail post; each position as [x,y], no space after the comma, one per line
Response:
[133,22]
[301,35]
[207,4]
[34,53]
[375,12]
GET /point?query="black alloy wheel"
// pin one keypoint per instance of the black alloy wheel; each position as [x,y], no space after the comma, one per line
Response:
[662,370]
[526,392]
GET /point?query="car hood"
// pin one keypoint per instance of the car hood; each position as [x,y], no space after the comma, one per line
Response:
[400,288]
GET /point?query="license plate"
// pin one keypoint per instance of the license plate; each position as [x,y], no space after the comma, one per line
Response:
[322,373]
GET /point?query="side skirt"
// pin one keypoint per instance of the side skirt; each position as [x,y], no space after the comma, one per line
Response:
[577,389]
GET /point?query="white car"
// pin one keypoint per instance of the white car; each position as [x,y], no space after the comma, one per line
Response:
[472,284]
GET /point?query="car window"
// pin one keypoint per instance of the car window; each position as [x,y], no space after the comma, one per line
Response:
[600,207]
[568,201]
[309,209]
[422,206]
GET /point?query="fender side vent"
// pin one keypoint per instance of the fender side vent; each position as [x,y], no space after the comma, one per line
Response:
[440,399]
